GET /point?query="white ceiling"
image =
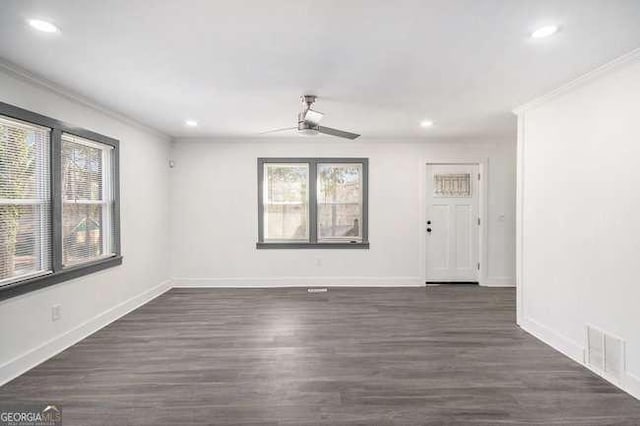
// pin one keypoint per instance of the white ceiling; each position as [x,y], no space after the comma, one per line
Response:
[379,67]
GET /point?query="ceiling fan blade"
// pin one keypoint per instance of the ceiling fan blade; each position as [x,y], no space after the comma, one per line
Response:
[336,132]
[284,129]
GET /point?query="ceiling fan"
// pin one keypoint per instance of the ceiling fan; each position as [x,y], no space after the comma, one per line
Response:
[308,120]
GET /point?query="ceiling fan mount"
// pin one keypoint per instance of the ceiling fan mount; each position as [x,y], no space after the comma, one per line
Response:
[308,99]
[309,119]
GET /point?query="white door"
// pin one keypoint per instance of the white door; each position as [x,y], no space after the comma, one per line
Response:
[452,226]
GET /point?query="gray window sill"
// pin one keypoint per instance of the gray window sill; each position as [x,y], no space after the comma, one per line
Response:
[324,246]
[41,281]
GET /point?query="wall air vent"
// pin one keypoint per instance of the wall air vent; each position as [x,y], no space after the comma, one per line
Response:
[595,348]
[614,357]
[605,354]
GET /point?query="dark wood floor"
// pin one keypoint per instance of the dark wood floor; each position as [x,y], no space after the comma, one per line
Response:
[370,356]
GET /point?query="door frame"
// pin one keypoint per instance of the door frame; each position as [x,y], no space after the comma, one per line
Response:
[483,168]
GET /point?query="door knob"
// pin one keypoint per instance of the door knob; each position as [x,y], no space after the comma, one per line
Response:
[428,229]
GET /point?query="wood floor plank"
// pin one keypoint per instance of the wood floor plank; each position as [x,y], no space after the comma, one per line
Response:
[354,356]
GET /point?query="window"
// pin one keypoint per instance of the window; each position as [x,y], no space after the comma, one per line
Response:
[452,185]
[87,201]
[286,202]
[340,202]
[312,203]
[25,202]
[59,210]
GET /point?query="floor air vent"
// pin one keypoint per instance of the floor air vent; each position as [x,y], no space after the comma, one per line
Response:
[605,353]
[317,290]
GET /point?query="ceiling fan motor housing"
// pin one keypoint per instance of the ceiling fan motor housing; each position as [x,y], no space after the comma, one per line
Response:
[305,127]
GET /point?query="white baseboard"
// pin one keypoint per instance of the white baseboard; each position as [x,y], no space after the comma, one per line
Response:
[499,282]
[299,282]
[22,363]
[562,344]
[629,383]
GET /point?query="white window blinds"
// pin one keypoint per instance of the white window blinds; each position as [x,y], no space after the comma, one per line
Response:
[25,209]
[87,201]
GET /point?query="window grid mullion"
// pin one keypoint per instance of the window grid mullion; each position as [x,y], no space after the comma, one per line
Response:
[56,200]
[313,202]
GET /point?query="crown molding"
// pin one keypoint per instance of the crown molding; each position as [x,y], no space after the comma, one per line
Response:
[607,68]
[40,81]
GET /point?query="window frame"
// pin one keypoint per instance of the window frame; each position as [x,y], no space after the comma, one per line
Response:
[313,242]
[59,273]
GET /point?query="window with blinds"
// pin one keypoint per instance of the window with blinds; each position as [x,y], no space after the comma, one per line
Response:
[25,208]
[87,200]
[59,202]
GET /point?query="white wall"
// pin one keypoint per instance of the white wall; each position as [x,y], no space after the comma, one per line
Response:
[27,334]
[580,229]
[214,213]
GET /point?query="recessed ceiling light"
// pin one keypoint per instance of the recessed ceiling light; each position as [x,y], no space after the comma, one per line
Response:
[44,26]
[426,123]
[544,31]
[191,123]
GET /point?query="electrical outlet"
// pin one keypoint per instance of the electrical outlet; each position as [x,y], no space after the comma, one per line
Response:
[55,313]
